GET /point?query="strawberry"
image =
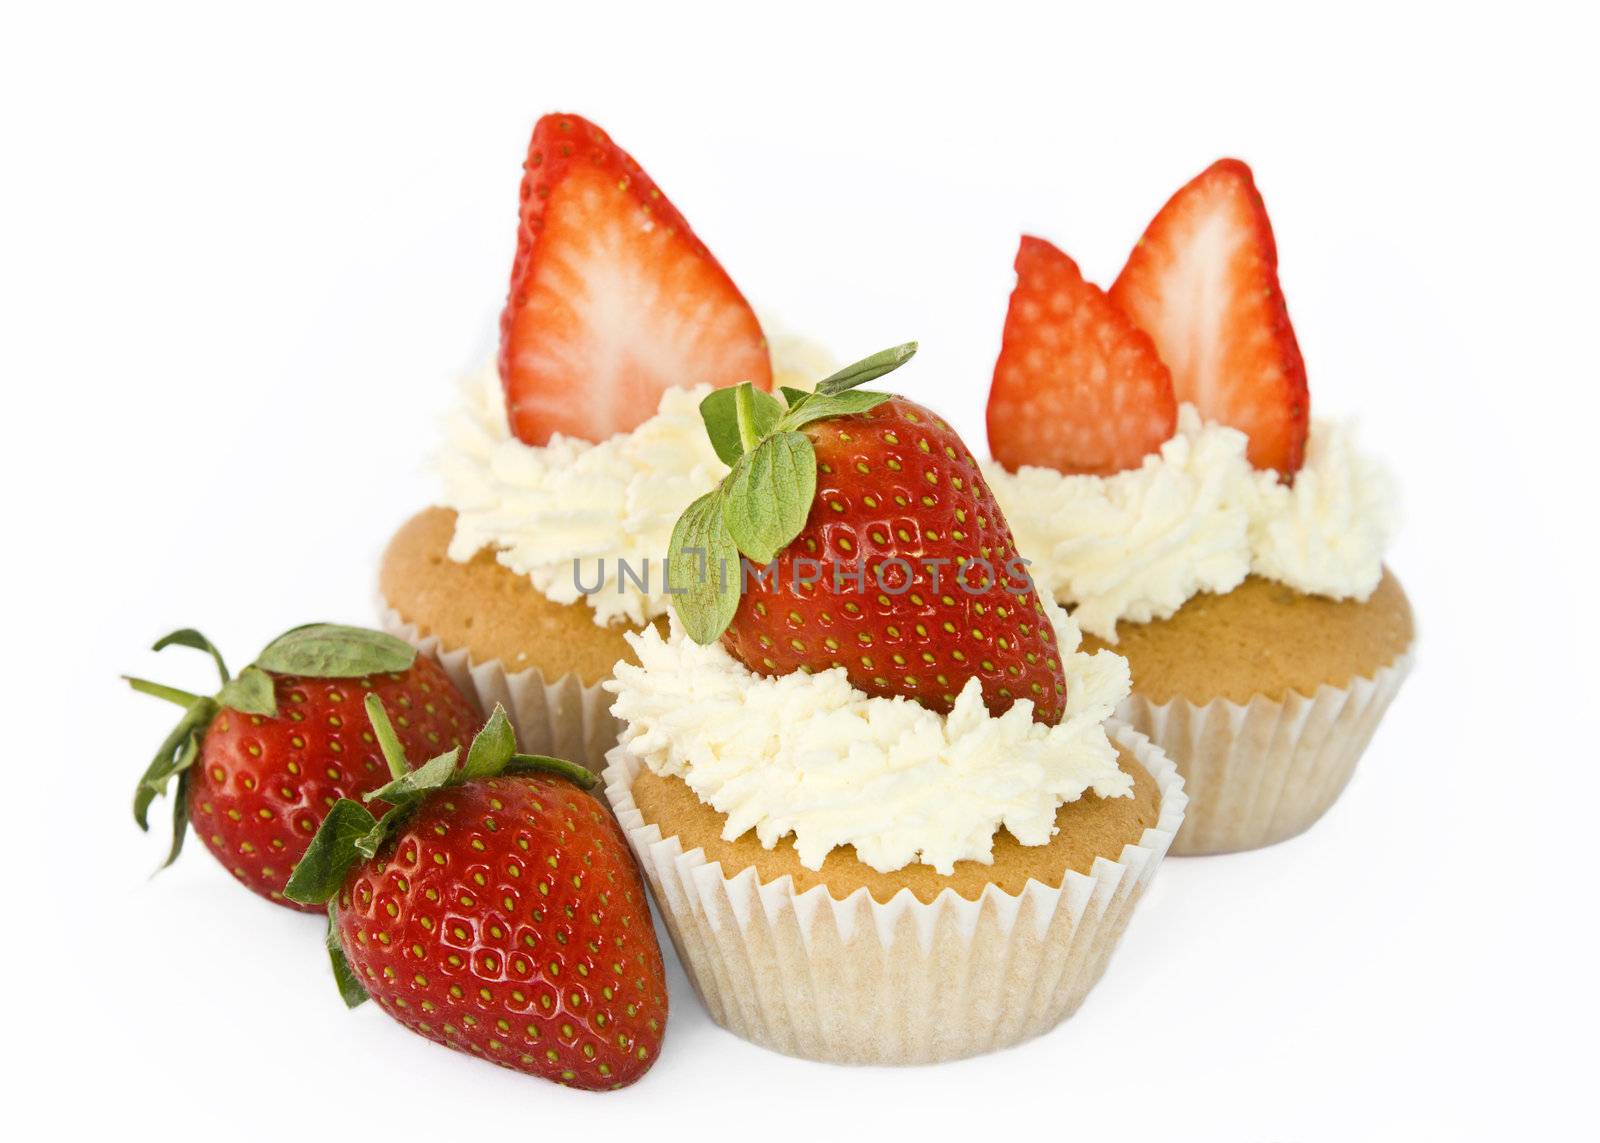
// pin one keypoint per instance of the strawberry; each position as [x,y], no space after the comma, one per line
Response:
[260,762]
[1203,283]
[1077,386]
[495,910]
[865,538]
[613,299]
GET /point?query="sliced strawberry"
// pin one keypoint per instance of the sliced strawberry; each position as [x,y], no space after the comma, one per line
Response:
[1077,386]
[1203,283]
[613,299]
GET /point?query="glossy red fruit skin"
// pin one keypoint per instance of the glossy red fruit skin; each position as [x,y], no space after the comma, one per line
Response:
[262,786]
[506,919]
[920,497]
[1077,386]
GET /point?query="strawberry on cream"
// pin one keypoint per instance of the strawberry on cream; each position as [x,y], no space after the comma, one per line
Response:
[1124,518]
[809,755]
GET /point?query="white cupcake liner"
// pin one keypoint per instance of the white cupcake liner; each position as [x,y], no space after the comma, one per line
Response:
[563,718]
[1263,771]
[856,981]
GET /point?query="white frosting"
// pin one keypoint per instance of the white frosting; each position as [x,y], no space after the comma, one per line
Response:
[1325,534]
[810,755]
[1196,517]
[542,508]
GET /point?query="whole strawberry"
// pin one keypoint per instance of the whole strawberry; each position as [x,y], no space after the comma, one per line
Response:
[870,542]
[495,910]
[260,763]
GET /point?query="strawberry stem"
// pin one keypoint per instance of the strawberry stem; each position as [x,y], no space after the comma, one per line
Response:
[189,637]
[745,414]
[388,741]
[162,691]
[560,767]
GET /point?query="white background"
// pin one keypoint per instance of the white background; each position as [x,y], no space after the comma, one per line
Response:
[245,256]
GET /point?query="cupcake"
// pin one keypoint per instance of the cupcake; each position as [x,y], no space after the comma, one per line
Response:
[1154,451]
[872,780]
[569,460]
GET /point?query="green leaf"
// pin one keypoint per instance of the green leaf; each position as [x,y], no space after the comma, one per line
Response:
[703,570]
[491,749]
[767,496]
[721,413]
[180,805]
[161,691]
[351,989]
[189,637]
[172,757]
[432,774]
[867,369]
[329,651]
[824,405]
[795,397]
[543,763]
[250,693]
[722,424]
[331,854]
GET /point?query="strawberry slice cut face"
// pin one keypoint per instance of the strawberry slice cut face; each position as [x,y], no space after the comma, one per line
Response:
[613,299]
[1077,386]
[1203,283]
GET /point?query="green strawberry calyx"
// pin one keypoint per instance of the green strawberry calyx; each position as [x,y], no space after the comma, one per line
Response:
[314,650]
[351,834]
[763,502]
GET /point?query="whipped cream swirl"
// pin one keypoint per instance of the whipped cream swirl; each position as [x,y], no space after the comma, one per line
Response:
[811,756]
[1196,517]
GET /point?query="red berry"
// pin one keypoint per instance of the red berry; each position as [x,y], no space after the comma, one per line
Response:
[943,596]
[505,918]
[613,299]
[260,763]
[261,786]
[1077,386]
[1203,283]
